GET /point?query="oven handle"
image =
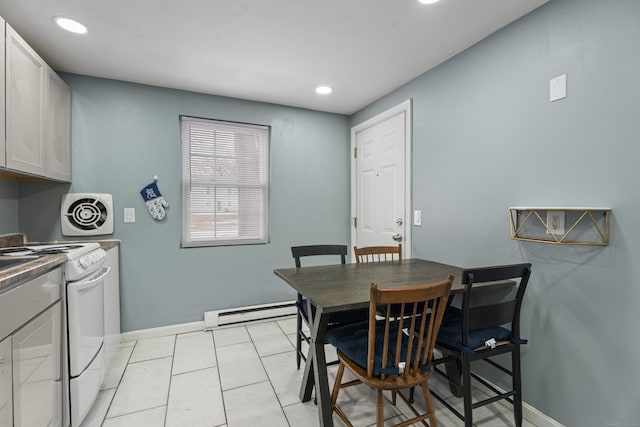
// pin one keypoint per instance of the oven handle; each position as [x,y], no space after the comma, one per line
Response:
[82,285]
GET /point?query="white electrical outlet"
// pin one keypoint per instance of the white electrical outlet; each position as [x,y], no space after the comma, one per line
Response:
[555,222]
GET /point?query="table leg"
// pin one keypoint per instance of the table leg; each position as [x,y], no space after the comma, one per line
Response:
[315,370]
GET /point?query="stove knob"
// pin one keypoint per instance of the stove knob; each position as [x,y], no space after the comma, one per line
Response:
[84,262]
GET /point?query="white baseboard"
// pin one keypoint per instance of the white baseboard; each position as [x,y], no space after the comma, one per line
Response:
[529,413]
[162,331]
[536,417]
[182,328]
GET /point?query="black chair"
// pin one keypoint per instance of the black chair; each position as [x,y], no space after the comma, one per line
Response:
[487,325]
[335,319]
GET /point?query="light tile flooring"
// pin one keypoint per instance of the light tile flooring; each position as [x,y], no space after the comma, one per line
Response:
[238,376]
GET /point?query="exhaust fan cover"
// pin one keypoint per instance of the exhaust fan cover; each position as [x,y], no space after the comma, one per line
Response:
[86,214]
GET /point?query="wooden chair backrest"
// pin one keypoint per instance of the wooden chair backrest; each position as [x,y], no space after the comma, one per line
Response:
[378,253]
[313,250]
[422,308]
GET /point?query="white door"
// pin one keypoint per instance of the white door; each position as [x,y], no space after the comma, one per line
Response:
[381,200]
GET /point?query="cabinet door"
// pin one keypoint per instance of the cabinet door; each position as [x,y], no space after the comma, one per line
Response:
[3,160]
[112,306]
[58,130]
[37,381]
[24,106]
[6,402]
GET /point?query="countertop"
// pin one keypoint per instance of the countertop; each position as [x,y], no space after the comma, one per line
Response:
[25,272]
[30,270]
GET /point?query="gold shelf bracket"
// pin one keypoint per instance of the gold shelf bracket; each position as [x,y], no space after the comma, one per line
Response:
[586,226]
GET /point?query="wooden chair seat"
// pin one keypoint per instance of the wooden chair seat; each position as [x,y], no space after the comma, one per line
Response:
[392,354]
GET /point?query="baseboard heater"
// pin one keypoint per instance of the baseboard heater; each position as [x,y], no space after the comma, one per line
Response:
[216,318]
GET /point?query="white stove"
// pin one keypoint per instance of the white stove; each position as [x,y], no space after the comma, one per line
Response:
[83,328]
[82,258]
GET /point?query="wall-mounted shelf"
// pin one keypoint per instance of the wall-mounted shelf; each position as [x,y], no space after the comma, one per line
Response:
[579,226]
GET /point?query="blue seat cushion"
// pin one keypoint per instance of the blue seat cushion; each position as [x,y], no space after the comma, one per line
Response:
[450,335]
[341,317]
[353,341]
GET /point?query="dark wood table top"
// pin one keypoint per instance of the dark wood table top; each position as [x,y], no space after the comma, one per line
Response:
[346,286]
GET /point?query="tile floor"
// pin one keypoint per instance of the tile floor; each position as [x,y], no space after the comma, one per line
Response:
[238,376]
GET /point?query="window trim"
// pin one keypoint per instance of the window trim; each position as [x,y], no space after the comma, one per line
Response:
[186,184]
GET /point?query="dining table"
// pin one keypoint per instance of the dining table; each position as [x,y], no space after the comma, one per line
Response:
[341,287]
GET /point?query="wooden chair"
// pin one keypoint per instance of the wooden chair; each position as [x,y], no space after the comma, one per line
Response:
[390,354]
[302,311]
[378,253]
[487,325]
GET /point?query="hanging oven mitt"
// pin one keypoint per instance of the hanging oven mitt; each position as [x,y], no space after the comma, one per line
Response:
[154,200]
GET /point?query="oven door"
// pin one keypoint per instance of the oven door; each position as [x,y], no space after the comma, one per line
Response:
[85,307]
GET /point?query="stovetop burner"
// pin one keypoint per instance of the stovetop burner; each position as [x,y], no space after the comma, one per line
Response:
[46,250]
[71,250]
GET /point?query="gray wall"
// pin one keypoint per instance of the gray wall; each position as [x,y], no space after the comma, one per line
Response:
[124,134]
[486,138]
[8,206]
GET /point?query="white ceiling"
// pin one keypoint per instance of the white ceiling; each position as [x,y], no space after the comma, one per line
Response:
[273,51]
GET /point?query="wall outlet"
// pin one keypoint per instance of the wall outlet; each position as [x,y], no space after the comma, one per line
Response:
[555,222]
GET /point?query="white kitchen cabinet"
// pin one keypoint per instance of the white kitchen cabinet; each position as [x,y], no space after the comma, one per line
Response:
[112,305]
[3,146]
[37,379]
[38,114]
[58,128]
[31,352]
[25,106]
[6,401]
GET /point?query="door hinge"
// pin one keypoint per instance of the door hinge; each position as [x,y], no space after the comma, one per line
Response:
[355,152]
[355,222]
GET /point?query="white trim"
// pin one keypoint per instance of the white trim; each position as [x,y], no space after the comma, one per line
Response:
[182,328]
[529,413]
[162,331]
[408,153]
[537,418]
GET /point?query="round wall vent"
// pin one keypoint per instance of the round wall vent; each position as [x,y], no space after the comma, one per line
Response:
[86,214]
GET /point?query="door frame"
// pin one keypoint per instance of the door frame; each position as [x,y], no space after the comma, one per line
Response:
[404,107]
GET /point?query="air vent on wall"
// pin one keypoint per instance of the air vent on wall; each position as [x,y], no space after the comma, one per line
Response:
[86,214]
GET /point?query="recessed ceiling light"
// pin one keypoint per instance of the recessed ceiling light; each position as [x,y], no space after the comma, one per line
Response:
[70,25]
[323,90]
[428,1]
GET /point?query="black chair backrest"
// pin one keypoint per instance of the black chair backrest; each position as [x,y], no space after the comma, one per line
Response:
[493,306]
[313,250]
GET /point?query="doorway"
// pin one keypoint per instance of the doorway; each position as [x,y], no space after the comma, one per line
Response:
[381,180]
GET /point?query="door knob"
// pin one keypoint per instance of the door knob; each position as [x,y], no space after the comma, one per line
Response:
[397,237]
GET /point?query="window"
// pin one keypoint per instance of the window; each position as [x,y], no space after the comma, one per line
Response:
[225,183]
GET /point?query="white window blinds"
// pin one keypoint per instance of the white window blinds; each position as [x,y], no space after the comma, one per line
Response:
[225,183]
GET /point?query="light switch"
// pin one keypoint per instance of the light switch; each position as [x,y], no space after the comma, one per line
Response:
[129,215]
[558,88]
[417,217]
